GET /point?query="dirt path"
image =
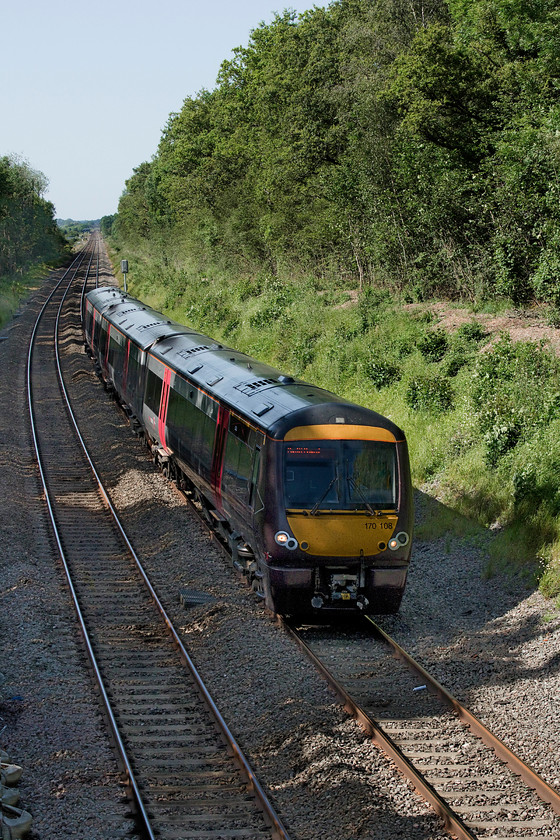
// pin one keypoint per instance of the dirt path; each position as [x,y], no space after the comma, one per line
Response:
[528,325]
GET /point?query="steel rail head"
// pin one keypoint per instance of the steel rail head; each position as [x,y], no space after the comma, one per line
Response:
[453,821]
[516,764]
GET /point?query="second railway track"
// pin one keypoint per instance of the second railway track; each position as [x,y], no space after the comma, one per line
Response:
[189,777]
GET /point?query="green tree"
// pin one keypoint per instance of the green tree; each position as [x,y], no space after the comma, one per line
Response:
[28,232]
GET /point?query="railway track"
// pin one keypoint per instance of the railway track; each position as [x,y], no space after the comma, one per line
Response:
[474,782]
[186,774]
[480,788]
[475,795]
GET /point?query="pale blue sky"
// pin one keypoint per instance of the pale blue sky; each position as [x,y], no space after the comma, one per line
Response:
[86,88]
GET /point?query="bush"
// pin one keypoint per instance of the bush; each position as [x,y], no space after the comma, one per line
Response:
[382,373]
[247,287]
[514,393]
[433,345]
[473,331]
[429,393]
[369,303]
[457,359]
[535,470]
[550,581]
[499,439]
[303,350]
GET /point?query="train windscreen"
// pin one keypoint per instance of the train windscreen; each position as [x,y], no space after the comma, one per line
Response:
[341,475]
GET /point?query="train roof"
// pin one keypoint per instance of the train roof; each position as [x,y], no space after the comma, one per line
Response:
[132,317]
[264,395]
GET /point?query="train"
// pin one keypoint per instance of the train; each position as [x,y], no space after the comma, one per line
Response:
[311,492]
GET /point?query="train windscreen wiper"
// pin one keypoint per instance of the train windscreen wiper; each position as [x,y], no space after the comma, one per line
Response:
[315,507]
[355,486]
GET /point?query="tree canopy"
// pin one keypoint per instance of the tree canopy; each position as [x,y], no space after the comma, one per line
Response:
[414,142]
[28,231]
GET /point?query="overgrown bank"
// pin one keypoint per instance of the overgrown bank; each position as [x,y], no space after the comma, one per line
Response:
[482,419]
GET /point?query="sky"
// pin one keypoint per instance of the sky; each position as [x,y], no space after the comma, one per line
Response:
[87,88]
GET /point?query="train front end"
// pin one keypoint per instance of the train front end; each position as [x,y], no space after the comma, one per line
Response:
[341,537]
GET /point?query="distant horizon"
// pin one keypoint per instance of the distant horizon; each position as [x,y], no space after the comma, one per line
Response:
[81,221]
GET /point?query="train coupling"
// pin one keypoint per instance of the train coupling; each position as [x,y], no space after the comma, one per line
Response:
[339,590]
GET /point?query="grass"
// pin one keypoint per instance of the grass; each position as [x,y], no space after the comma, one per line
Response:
[14,289]
[443,521]
[482,428]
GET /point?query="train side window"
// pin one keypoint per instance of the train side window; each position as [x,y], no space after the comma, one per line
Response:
[238,459]
[239,429]
[153,391]
[102,340]
[205,439]
[95,328]
[255,477]
[183,421]
[88,320]
[133,367]
[114,349]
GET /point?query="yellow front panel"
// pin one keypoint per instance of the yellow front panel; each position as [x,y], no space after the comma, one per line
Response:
[339,431]
[342,534]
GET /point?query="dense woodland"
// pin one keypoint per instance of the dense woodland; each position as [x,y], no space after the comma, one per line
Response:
[414,143]
[350,165]
[28,232]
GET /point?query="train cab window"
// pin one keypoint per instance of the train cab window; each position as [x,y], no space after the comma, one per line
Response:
[311,475]
[153,391]
[341,475]
[371,473]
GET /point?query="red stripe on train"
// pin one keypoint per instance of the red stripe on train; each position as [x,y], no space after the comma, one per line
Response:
[163,406]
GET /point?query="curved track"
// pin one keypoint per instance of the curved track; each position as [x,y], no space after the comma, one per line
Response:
[186,773]
[186,793]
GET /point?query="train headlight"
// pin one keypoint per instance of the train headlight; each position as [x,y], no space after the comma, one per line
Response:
[399,541]
[284,539]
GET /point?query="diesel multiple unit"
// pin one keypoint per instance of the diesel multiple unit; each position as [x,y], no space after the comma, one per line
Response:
[312,492]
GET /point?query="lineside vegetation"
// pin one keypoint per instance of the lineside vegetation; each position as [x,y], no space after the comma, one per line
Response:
[29,236]
[352,161]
